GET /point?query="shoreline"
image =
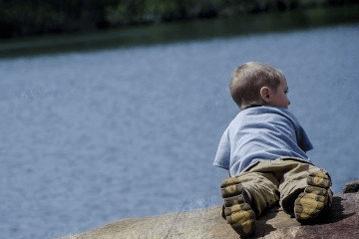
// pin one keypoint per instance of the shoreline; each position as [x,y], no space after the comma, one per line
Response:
[179,31]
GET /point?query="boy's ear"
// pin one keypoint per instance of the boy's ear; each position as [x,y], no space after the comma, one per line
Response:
[265,93]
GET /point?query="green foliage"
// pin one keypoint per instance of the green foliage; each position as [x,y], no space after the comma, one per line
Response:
[28,17]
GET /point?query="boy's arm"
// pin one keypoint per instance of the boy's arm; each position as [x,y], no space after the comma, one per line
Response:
[302,137]
[223,152]
[303,140]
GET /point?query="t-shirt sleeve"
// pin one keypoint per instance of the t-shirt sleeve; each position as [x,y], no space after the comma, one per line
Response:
[303,140]
[223,152]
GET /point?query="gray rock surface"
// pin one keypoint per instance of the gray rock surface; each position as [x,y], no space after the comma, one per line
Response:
[342,221]
[351,187]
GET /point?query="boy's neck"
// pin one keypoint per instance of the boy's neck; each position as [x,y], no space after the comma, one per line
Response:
[250,106]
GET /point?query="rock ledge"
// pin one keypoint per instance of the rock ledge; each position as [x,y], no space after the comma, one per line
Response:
[342,221]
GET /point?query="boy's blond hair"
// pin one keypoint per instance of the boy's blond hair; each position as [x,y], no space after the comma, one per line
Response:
[249,78]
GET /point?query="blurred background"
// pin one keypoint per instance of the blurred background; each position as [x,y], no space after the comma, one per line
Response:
[113,109]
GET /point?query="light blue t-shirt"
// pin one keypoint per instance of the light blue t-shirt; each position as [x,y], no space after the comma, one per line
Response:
[261,133]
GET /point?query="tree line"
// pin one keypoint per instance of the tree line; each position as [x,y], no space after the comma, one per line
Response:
[33,17]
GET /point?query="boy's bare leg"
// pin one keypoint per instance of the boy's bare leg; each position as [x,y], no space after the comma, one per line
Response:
[245,196]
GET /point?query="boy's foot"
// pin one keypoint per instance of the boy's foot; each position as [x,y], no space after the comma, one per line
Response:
[236,209]
[316,197]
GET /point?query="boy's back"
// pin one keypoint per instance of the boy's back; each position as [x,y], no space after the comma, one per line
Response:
[261,132]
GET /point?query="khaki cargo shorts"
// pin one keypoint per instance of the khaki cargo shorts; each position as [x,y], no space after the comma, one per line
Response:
[271,181]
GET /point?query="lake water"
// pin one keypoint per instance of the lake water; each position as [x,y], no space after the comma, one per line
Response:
[88,138]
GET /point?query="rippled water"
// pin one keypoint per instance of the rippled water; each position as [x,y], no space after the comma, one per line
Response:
[88,138]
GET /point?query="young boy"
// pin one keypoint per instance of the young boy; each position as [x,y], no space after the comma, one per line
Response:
[264,150]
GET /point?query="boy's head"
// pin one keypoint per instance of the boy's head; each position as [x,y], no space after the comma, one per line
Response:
[254,83]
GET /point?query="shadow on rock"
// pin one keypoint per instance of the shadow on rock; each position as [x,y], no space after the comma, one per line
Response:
[264,228]
[335,213]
